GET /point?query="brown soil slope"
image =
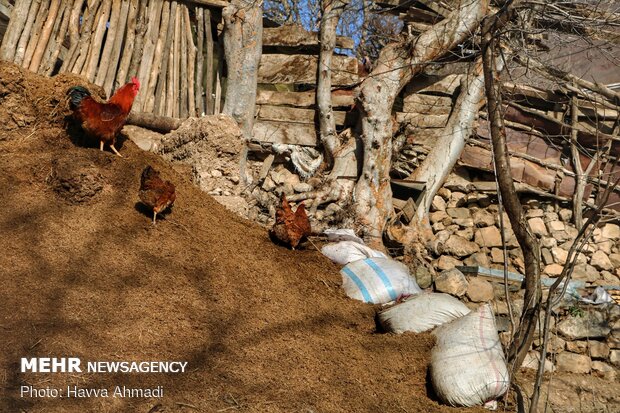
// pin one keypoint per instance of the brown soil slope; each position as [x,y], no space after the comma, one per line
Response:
[86,274]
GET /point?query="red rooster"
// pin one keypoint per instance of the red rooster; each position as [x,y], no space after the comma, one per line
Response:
[103,120]
[290,228]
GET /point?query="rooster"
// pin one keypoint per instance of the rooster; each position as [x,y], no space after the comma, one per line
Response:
[290,228]
[103,120]
[156,193]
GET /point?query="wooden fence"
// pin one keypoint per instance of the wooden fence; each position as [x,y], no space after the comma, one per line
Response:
[172,47]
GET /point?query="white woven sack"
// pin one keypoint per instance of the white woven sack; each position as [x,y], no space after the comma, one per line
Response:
[345,252]
[342,234]
[422,312]
[377,280]
[467,362]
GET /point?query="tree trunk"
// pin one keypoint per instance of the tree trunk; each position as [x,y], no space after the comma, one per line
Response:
[243,31]
[332,10]
[14,30]
[524,335]
[448,148]
[396,65]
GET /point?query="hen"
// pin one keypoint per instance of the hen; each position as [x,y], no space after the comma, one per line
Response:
[103,121]
[290,228]
[156,193]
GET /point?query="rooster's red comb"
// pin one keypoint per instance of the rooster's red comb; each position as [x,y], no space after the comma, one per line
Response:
[135,81]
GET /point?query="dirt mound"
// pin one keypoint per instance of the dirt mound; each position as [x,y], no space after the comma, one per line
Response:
[86,274]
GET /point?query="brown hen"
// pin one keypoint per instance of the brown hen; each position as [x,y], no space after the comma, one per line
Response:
[156,193]
[290,228]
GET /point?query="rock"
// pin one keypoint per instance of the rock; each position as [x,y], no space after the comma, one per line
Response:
[464,223]
[555,226]
[438,226]
[479,290]
[234,179]
[268,184]
[546,256]
[439,216]
[608,278]
[477,259]
[457,182]
[615,260]
[483,218]
[452,228]
[488,237]
[467,233]
[507,224]
[601,261]
[553,270]
[216,173]
[444,193]
[519,264]
[438,204]
[458,213]
[560,236]
[604,370]
[614,357]
[459,246]
[451,282]
[457,199]
[611,231]
[302,187]
[605,246]
[598,350]
[573,363]
[555,344]
[559,255]
[566,214]
[534,213]
[332,209]
[548,242]
[446,262]
[538,226]
[497,255]
[577,346]
[585,272]
[591,325]
[532,361]
[282,175]
[423,276]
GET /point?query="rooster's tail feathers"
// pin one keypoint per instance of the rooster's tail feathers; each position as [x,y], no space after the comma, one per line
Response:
[76,94]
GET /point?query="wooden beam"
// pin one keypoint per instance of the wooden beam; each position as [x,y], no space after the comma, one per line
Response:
[302,69]
[301,99]
[293,115]
[433,84]
[209,3]
[284,132]
[420,120]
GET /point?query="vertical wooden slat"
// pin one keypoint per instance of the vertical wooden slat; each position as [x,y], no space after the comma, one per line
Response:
[74,35]
[112,32]
[191,66]
[171,97]
[90,18]
[150,40]
[200,106]
[36,33]
[25,36]
[136,57]
[175,64]
[46,32]
[162,90]
[97,40]
[209,63]
[53,46]
[183,112]
[219,76]
[130,35]
[150,88]
[14,30]
[115,54]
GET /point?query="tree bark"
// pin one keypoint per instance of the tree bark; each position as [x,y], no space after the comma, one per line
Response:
[332,10]
[448,148]
[144,72]
[55,44]
[157,123]
[92,61]
[46,32]
[14,30]
[74,35]
[33,41]
[396,65]
[138,43]
[183,110]
[112,32]
[130,35]
[90,18]
[111,71]
[158,59]
[191,64]
[524,334]
[161,91]
[208,81]
[200,40]
[25,36]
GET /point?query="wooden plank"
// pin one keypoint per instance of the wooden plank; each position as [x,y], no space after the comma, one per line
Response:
[295,115]
[433,84]
[427,104]
[302,69]
[294,35]
[284,132]
[210,3]
[340,98]
[420,120]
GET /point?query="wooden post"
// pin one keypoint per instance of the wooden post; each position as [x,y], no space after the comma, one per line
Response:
[161,91]
[209,63]
[74,35]
[45,36]
[136,57]
[25,36]
[218,77]
[97,40]
[171,98]
[104,62]
[191,65]
[150,39]
[115,54]
[150,93]
[130,35]
[55,44]
[183,65]
[175,63]
[90,18]
[35,34]
[14,30]
[200,106]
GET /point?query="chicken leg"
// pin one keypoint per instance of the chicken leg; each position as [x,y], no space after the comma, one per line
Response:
[154,217]
[114,150]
